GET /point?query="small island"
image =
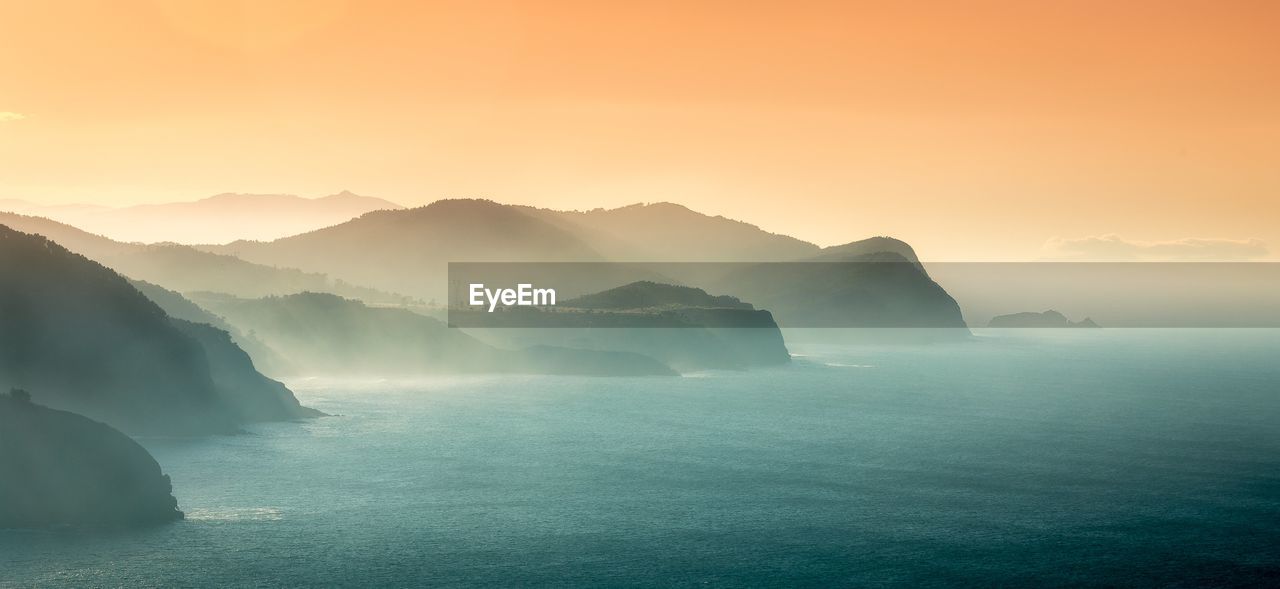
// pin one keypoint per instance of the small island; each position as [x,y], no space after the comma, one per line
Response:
[58,468]
[1048,318]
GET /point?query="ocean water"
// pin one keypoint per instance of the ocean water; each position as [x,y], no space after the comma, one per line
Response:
[1043,458]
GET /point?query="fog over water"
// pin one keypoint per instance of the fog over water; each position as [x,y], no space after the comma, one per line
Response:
[1023,456]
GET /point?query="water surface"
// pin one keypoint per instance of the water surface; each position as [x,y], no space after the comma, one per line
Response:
[1023,457]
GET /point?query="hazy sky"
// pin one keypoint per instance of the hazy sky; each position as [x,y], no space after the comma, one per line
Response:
[971,129]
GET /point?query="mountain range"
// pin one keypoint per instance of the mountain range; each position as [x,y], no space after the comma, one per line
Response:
[408,251]
[667,232]
[80,337]
[216,219]
[401,256]
[184,268]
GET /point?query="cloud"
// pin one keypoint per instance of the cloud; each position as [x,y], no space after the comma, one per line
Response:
[6,116]
[1115,248]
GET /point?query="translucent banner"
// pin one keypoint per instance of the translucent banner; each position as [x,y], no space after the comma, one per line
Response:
[868,293]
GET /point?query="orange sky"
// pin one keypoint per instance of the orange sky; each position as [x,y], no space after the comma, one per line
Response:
[974,130]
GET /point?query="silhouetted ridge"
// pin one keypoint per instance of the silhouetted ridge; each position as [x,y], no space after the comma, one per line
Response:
[250,395]
[1048,318]
[408,251]
[647,294]
[185,268]
[871,245]
[684,327]
[669,232]
[321,334]
[216,219]
[84,339]
[849,289]
[59,468]
[179,307]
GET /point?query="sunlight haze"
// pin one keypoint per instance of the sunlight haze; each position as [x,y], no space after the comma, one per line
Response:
[981,132]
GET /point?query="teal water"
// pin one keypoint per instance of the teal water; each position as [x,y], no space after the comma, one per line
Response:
[1090,457]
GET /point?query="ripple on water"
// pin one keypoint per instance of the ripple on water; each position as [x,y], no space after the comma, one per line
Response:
[234,514]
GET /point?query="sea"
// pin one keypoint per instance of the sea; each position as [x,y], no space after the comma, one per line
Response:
[1036,458]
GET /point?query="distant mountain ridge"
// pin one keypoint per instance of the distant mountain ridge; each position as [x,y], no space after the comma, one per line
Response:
[665,231]
[216,219]
[648,294]
[184,268]
[684,327]
[324,334]
[1048,318]
[178,307]
[82,338]
[409,250]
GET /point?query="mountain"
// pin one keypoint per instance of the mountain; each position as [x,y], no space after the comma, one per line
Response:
[875,283]
[85,340]
[177,306]
[684,327]
[181,310]
[323,334]
[801,284]
[1048,318]
[864,247]
[185,268]
[59,468]
[77,240]
[409,250]
[216,219]
[248,394]
[668,232]
[647,294]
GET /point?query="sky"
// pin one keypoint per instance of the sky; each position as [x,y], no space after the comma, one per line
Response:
[974,130]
